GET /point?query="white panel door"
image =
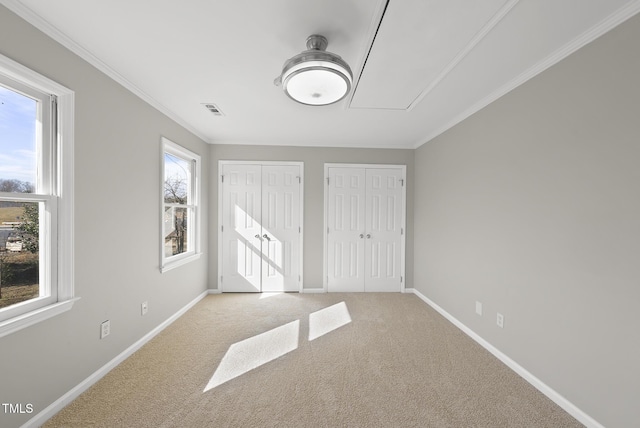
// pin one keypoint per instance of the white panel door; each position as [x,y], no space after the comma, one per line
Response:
[346,230]
[383,229]
[260,227]
[280,227]
[242,234]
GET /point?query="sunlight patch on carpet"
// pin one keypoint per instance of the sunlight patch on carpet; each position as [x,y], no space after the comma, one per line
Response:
[255,351]
[268,294]
[328,319]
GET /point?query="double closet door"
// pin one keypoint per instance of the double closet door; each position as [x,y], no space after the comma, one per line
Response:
[365,227]
[260,228]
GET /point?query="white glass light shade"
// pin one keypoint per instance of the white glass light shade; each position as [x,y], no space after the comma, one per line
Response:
[317,82]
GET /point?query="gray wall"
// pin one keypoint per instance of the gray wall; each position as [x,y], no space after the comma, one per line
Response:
[314,159]
[117,227]
[532,207]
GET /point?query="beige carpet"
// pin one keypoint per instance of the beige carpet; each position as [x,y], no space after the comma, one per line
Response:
[376,360]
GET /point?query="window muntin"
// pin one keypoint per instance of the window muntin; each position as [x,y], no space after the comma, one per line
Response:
[180,200]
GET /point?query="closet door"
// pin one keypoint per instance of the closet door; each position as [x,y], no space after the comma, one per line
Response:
[280,228]
[261,227]
[242,234]
[346,230]
[364,215]
[383,229]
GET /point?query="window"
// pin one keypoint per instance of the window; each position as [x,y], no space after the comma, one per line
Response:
[36,197]
[180,205]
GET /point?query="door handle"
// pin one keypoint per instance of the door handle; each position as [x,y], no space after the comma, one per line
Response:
[258,236]
[368,236]
[265,236]
[362,235]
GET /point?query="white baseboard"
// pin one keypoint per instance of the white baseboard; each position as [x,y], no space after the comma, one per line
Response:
[214,291]
[554,396]
[67,398]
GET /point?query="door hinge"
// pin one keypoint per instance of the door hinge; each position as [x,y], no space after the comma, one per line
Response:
[222,228]
[222,176]
[400,279]
[401,231]
[299,229]
[299,278]
[220,278]
[401,182]
[299,179]
[327,230]
[327,181]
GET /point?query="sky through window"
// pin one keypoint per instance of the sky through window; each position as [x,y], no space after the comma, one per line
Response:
[18,115]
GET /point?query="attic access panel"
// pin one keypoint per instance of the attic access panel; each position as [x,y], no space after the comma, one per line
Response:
[415,43]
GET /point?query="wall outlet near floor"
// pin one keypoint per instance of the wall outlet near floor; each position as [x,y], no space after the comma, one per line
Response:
[144,308]
[478,308]
[105,329]
[500,320]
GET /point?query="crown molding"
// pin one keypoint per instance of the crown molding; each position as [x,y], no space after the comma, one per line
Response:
[615,19]
[47,28]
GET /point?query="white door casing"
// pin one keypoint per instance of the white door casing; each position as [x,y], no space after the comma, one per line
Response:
[260,235]
[364,228]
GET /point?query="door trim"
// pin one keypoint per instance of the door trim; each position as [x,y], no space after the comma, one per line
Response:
[325,238]
[221,163]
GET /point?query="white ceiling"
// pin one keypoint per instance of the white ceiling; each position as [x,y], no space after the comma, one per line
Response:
[420,66]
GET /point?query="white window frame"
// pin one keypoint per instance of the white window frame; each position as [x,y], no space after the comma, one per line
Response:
[193,228]
[55,187]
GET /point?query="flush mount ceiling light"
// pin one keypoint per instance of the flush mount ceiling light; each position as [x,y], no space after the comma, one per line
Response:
[316,77]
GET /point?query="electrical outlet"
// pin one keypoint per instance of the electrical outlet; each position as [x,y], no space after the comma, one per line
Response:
[500,320]
[105,329]
[144,308]
[478,308]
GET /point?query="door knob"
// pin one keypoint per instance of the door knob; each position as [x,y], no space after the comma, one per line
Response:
[368,236]
[258,236]
[361,235]
[265,236]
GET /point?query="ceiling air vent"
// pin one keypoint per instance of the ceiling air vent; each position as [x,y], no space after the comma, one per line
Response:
[213,109]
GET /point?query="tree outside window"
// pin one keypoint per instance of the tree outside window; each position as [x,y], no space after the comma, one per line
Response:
[180,202]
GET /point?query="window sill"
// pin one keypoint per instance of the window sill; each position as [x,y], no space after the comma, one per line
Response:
[176,263]
[30,318]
